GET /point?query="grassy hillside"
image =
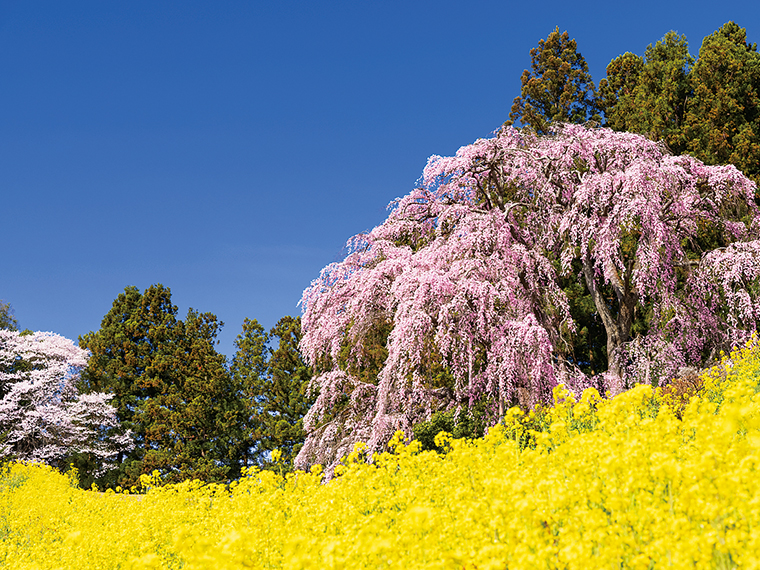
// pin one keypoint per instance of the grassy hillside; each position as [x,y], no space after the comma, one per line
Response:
[632,482]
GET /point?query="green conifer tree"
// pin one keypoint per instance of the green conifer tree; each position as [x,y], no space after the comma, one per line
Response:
[275,381]
[7,320]
[249,369]
[617,90]
[558,87]
[648,95]
[171,388]
[723,116]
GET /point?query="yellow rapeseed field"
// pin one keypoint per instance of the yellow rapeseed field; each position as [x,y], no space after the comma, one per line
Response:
[620,483]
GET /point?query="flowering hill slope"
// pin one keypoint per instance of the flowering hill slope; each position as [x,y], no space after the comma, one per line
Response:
[619,483]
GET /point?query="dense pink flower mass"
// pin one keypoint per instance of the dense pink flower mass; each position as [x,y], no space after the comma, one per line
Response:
[42,414]
[466,270]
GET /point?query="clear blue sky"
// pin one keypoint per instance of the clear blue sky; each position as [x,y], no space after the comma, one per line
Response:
[229,149]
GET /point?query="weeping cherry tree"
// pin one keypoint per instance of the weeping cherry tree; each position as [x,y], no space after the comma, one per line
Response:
[464,286]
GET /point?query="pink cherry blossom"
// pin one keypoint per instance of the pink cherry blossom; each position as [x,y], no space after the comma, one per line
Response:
[466,267]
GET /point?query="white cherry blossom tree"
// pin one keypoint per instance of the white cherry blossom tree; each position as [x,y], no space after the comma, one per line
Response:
[42,414]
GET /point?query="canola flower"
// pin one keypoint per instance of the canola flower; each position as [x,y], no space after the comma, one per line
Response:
[592,483]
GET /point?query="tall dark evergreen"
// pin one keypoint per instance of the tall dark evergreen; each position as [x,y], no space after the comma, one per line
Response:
[249,369]
[617,91]
[708,107]
[558,88]
[7,319]
[287,391]
[269,369]
[171,386]
[723,116]
[649,95]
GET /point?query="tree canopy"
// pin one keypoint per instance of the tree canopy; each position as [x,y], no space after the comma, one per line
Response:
[466,280]
[274,382]
[7,319]
[708,107]
[171,387]
[43,416]
[722,123]
[558,88]
[649,95]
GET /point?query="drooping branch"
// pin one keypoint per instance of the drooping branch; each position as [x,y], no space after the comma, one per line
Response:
[485,293]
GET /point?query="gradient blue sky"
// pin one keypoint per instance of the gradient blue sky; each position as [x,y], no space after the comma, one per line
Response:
[229,149]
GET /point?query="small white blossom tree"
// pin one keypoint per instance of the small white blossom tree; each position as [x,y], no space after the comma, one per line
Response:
[42,414]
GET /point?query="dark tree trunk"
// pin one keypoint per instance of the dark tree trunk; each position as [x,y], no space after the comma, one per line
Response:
[618,327]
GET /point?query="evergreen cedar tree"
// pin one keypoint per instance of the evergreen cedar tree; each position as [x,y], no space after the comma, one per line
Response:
[190,416]
[171,388]
[558,88]
[7,320]
[43,416]
[722,122]
[708,108]
[472,282]
[648,95]
[274,379]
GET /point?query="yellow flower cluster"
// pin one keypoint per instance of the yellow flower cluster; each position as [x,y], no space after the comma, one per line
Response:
[593,483]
